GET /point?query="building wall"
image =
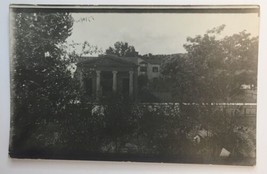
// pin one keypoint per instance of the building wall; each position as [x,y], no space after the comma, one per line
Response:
[150,74]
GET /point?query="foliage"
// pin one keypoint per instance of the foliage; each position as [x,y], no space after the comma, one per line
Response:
[41,82]
[39,68]
[214,68]
[76,50]
[162,130]
[224,130]
[119,123]
[122,49]
[45,112]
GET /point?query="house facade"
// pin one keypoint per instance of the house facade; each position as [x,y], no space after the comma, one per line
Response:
[149,67]
[105,75]
[108,74]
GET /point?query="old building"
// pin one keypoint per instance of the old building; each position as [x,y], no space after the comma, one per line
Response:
[105,75]
[149,66]
[109,74]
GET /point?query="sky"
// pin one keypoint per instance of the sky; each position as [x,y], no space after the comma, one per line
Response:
[156,33]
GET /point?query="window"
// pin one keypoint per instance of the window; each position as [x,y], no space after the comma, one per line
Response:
[88,86]
[155,69]
[143,69]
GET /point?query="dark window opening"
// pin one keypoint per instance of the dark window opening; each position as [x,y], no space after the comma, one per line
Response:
[88,86]
[143,69]
[155,69]
[106,83]
[125,87]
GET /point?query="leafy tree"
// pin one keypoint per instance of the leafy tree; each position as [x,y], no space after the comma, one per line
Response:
[119,123]
[214,68]
[41,81]
[76,50]
[148,55]
[40,68]
[122,49]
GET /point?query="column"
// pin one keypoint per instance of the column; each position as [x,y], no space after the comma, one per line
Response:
[114,82]
[131,83]
[98,73]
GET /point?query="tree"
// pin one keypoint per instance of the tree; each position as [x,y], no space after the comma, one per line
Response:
[40,77]
[214,68]
[77,50]
[40,67]
[122,49]
[212,71]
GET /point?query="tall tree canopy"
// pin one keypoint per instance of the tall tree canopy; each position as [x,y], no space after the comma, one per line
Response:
[214,68]
[39,65]
[40,76]
[122,49]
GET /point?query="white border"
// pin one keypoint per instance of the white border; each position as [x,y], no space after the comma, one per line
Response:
[10,166]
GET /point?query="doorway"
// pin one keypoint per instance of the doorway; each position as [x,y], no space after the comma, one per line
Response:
[106,83]
[125,87]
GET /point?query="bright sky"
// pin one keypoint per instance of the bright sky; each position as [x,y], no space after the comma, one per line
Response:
[156,33]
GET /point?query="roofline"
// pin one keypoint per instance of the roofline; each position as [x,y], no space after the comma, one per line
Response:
[113,57]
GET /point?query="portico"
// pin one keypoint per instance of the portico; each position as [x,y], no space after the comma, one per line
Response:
[105,75]
[99,87]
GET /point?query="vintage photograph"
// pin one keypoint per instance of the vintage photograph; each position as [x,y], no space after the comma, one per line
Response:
[174,84]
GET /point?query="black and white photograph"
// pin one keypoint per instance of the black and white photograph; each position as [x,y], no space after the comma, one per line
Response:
[171,84]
